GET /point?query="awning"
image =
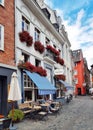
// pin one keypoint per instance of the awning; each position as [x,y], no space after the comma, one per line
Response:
[68,86]
[43,84]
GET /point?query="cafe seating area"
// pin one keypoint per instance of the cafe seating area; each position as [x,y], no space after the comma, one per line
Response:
[40,109]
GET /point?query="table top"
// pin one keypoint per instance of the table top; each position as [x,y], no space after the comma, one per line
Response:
[45,104]
[37,107]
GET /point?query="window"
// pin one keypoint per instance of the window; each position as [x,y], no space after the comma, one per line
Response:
[37,35]
[2,2]
[27,81]
[59,51]
[26,57]
[75,72]
[75,64]
[1,37]
[28,88]
[47,41]
[76,81]
[49,74]
[25,24]
[37,62]
[54,46]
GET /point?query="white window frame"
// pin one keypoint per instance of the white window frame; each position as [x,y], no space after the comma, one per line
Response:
[76,81]
[2,38]
[2,2]
[37,34]
[28,86]
[26,23]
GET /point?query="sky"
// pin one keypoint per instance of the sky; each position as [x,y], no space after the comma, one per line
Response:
[77,17]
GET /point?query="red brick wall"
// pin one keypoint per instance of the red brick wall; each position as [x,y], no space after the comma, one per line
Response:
[7,20]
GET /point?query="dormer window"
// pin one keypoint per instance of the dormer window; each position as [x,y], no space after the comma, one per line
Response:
[46,12]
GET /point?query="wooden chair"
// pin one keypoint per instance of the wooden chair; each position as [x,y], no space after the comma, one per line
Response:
[5,124]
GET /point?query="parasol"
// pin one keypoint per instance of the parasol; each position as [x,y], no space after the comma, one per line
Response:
[14,92]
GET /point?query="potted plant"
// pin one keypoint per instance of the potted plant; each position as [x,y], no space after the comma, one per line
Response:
[16,115]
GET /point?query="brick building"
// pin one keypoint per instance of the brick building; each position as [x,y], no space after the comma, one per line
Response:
[7,49]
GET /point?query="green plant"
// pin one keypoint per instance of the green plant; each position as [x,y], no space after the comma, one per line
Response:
[16,115]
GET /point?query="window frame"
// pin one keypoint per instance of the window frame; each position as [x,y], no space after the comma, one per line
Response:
[26,23]
[29,87]
[2,38]
[37,62]
[26,57]
[36,34]
[47,41]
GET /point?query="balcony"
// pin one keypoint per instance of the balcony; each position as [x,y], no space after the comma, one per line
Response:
[49,56]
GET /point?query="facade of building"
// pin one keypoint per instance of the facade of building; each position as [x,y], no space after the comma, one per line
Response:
[91,76]
[87,76]
[7,50]
[45,29]
[79,72]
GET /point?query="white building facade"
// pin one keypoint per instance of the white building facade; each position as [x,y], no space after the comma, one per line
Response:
[45,27]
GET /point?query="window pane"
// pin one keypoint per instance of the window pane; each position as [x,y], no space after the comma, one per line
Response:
[25,24]
[0,37]
[28,95]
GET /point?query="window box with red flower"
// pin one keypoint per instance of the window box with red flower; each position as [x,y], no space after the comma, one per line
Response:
[52,50]
[59,60]
[39,47]
[24,36]
[32,68]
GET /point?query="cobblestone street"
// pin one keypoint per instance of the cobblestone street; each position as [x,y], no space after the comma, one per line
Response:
[77,115]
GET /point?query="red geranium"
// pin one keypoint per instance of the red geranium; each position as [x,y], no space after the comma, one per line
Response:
[53,50]
[39,47]
[25,37]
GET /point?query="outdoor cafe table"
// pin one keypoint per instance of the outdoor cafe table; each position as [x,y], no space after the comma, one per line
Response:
[37,107]
[45,105]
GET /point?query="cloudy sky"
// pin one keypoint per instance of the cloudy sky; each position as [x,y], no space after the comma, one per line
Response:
[77,16]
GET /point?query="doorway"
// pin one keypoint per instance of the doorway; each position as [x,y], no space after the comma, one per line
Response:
[3,95]
[79,91]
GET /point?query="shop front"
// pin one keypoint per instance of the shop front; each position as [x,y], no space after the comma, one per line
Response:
[39,86]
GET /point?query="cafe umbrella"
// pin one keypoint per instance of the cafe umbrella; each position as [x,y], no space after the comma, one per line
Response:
[14,92]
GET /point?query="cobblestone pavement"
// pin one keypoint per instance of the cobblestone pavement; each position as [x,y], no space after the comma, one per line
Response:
[77,115]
